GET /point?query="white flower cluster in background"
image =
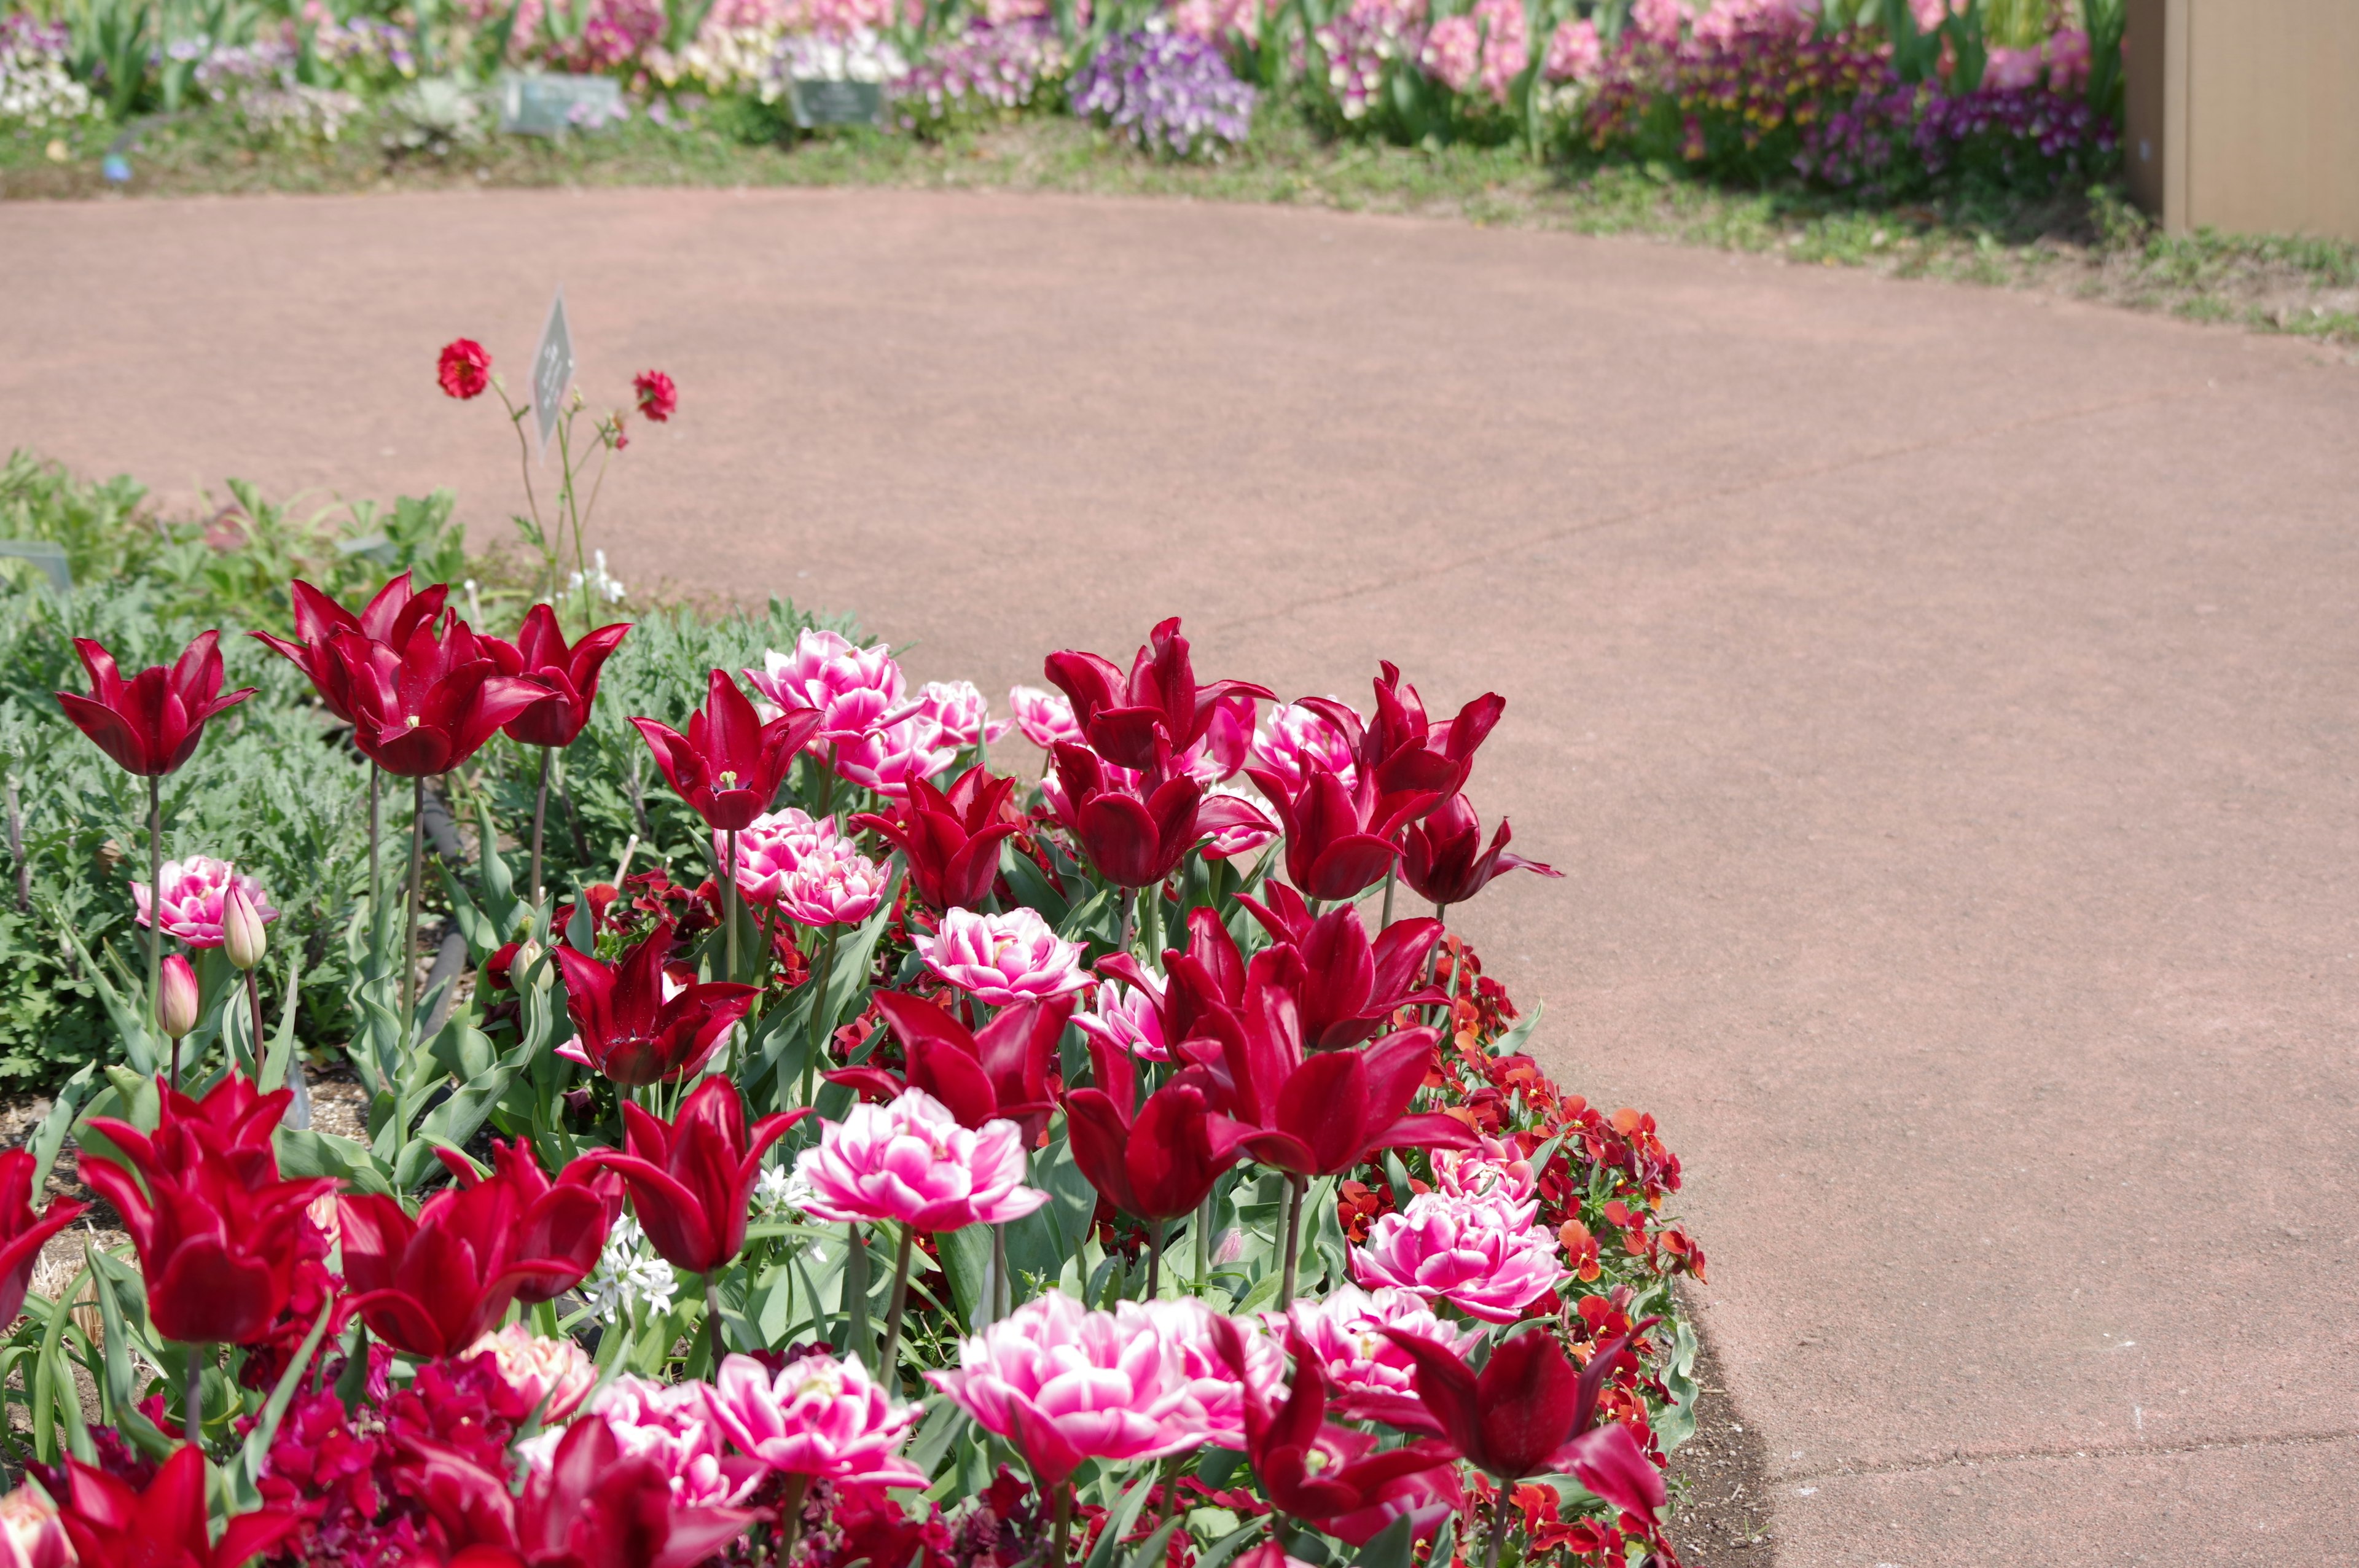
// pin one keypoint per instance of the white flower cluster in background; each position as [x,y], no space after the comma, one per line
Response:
[861,54]
[34,87]
[602,585]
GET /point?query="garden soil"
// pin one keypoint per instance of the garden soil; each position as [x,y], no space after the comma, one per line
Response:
[1943,705]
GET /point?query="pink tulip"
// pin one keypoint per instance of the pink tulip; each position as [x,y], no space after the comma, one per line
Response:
[1373,1379]
[554,1375]
[1294,734]
[1480,1254]
[834,885]
[888,760]
[855,690]
[1496,1170]
[672,1424]
[1241,838]
[816,1416]
[1215,1401]
[30,1533]
[194,892]
[1128,1018]
[1045,718]
[767,848]
[1064,1385]
[960,712]
[912,1162]
[1002,960]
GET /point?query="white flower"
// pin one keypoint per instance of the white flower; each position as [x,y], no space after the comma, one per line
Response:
[628,1272]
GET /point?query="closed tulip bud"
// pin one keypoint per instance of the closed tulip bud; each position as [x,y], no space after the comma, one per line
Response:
[528,952]
[176,998]
[244,941]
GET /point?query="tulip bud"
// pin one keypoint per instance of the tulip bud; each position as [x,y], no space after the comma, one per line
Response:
[244,941]
[176,998]
[528,952]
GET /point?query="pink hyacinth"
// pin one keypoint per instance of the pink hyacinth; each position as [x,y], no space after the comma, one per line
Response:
[1496,1170]
[886,760]
[856,688]
[1660,21]
[768,848]
[1575,52]
[1293,735]
[1480,1254]
[835,885]
[194,890]
[911,1162]
[960,714]
[1064,1385]
[1002,960]
[1375,1379]
[1484,48]
[673,1424]
[1128,1019]
[555,1374]
[815,1416]
[1215,1400]
[1045,718]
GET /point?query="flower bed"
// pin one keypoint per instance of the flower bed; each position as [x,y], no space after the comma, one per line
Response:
[1090,1169]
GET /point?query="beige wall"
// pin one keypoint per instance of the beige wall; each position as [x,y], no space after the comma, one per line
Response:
[2259,108]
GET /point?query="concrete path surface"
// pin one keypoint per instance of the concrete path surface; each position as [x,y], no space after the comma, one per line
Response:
[1944,704]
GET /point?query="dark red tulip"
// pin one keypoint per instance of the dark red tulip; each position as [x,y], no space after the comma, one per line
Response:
[1137,834]
[1327,1112]
[114,1525]
[729,764]
[1402,752]
[1000,1072]
[593,1506]
[637,1026]
[390,617]
[951,839]
[1443,860]
[1528,1412]
[1157,1162]
[151,723]
[1349,985]
[691,1178]
[1333,1477]
[23,1233]
[569,676]
[427,705]
[1123,717]
[1339,837]
[434,1285]
[215,1225]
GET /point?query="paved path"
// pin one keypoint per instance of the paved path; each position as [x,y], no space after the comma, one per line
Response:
[1942,702]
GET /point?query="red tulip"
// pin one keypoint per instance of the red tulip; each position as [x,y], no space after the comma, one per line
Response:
[1400,750]
[114,1525]
[215,1225]
[1001,1072]
[390,617]
[23,1233]
[1332,1475]
[1137,834]
[1323,1114]
[1350,985]
[1159,1162]
[569,676]
[1339,837]
[693,1178]
[593,1506]
[434,1285]
[729,764]
[151,723]
[1444,860]
[638,1025]
[426,705]
[1123,717]
[951,840]
[1529,1412]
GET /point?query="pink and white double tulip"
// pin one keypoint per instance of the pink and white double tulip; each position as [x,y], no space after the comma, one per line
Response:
[960,713]
[30,1533]
[1002,960]
[815,1416]
[1496,1170]
[769,847]
[911,1162]
[1215,1404]
[1374,1378]
[855,690]
[886,760]
[556,1375]
[1045,718]
[835,885]
[1064,1384]
[1128,1018]
[673,1424]
[1293,735]
[1483,1255]
[194,891]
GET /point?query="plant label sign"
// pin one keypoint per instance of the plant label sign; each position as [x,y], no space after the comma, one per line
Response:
[552,370]
[825,100]
[551,105]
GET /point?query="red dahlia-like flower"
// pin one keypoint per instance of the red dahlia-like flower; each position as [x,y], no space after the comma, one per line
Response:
[464,370]
[151,723]
[659,398]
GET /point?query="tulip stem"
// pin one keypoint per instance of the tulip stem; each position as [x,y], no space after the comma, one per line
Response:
[1204,1244]
[1391,873]
[730,907]
[1002,1289]
[1295,1185]
[1498,1525]
[856,1295]
[155,913]
[192,1398]
[376,826]
[1129,917]
[819,1019]
[1433,955]
[539,816]
[712,1319]
[886,1362]
[790,1515]
[409,926]
[1154,1258]
[254,1008]
[1061,1514]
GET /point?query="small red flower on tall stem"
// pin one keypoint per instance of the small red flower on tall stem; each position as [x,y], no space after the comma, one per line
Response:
[465,369]
[659,398]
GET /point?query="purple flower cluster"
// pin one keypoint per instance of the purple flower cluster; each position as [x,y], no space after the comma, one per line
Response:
[2063,128]
[1166,91]
[984,69]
